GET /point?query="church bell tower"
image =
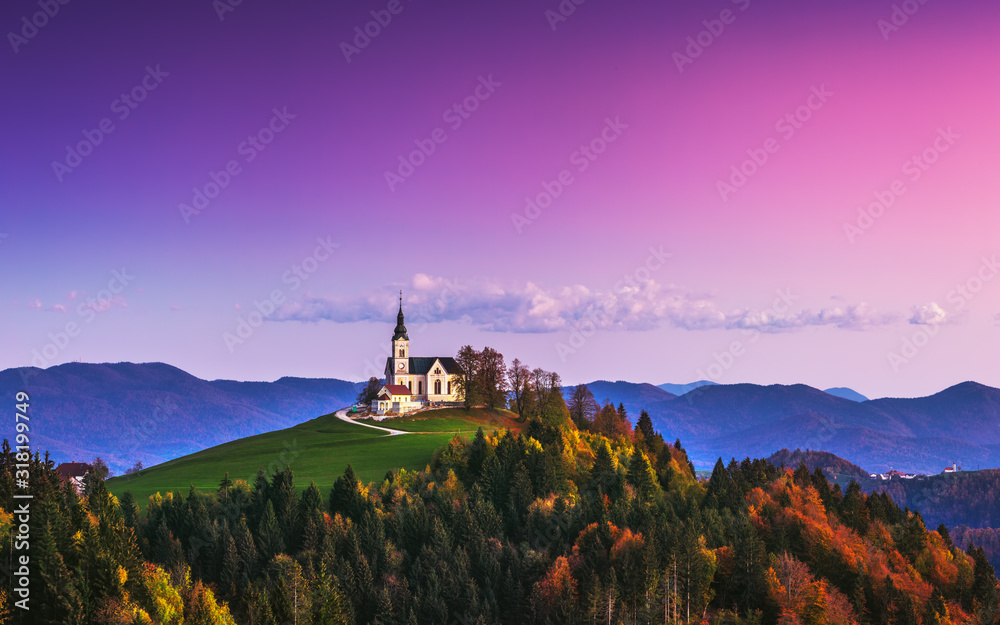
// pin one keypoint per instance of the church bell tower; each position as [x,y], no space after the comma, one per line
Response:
[400,346]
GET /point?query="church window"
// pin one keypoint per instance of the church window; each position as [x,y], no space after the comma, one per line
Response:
[437,387]
[449,387]
[420,388]
[409,385]
[400,352]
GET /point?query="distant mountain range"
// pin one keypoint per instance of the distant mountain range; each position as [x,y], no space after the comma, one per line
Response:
[961,423]
[680,389]
[846,393]
[154,412]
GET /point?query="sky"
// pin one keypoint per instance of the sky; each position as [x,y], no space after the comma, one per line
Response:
[742,191]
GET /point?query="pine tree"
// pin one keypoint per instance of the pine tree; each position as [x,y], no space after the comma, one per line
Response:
[749,566]
[229,577]
[640,475]
[224,486]
[345,497]
[269,540]
[645,426]
[247,549]
[129,510]
[259,607]
[291,601]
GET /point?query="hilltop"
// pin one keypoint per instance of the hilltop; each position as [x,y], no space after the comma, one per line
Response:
[318,450]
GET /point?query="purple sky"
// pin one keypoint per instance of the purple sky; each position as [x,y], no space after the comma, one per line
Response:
[768,276]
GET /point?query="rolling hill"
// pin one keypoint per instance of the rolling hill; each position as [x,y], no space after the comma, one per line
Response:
[961,423]
[154,412]
[318,450]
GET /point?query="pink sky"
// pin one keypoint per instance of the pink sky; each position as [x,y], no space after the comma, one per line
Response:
[857,298]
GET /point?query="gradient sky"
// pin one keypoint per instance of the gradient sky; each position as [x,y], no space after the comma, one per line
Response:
[851,301]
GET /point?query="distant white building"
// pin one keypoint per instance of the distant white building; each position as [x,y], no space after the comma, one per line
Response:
[73,472]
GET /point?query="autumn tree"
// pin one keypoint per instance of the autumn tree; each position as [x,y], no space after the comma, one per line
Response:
[369,392]
[470,364]
[583,408]
[519,383]
[492,378]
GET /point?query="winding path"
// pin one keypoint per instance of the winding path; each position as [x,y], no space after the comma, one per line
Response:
[342,415]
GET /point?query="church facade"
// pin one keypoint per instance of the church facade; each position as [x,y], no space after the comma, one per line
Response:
[414,382]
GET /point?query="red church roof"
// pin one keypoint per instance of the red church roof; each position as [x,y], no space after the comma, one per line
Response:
[398,389]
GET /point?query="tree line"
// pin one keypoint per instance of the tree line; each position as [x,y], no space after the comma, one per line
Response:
[576,516]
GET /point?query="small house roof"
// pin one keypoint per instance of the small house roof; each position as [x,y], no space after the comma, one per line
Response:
[72,469]
[396,389]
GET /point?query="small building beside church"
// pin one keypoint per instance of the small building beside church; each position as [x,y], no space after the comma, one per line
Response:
[414,382]
[394,398]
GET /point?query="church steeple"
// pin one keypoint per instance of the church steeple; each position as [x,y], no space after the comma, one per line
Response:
[400,332]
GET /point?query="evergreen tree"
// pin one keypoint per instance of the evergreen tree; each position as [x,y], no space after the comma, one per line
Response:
[345,498]
[749,566]
[291,601]
[640,475]
[645,426]
[269,539]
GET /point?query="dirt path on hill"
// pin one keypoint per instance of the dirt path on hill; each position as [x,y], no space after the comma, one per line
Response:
[342,415]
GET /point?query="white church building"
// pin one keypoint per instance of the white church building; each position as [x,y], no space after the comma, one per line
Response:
[414,382]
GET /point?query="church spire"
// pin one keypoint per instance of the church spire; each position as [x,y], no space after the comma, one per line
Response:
[400,332]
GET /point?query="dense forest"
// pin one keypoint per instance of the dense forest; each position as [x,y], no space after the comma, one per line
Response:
[578,518]
[833,467]
[963,498]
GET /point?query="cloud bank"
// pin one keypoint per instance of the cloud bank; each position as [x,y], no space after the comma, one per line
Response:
[527,307]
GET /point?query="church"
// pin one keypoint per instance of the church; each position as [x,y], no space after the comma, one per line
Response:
[415,382]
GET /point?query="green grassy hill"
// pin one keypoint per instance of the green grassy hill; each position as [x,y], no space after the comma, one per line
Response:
[318,450]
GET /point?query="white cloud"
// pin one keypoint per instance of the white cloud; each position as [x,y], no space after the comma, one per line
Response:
[528,307]
[928,314]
